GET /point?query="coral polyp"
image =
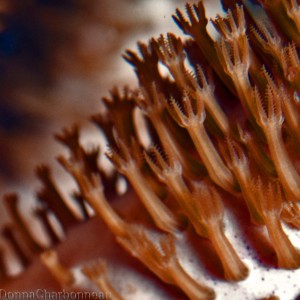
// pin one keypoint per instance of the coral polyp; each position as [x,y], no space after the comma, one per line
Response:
[222,156]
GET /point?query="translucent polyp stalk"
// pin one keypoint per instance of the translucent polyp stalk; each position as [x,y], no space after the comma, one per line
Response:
[292,118]
[243,88]
[92,190]
[216,168]
[243,176]
[183,196]
[105,212]
[216,112]
[286,171]
[193,289]
[180,191]
[234,268]
[288,257]
[162,216]
[169,145]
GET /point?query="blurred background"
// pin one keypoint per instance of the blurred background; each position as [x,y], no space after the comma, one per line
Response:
[57,59]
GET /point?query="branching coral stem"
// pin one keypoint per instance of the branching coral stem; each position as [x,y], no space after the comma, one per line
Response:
[271,124]
[167,140]
[240,167]
[97,199]
[163,262]
[204,214]
[288,257]
[292,117]
[171,54]
[270,199]
[215,110]
[234,268]
[193,289]
[286,171]
[92,190]
[163,218]
[216,168]
[128,166]
[206,94]
[211,213]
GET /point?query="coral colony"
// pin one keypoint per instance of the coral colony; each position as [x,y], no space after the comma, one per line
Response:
[223,136]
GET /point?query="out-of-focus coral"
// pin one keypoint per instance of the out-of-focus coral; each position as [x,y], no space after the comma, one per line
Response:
[53,55]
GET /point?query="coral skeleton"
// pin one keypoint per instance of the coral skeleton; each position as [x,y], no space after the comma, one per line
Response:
[223,127]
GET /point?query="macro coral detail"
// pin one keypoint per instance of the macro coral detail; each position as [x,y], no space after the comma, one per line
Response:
[210,138]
